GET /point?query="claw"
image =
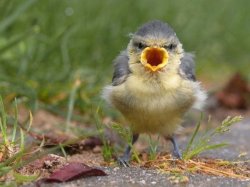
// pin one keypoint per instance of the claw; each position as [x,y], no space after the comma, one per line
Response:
[177,154]
[124,162]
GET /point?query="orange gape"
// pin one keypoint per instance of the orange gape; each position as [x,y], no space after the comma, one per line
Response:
[154,58]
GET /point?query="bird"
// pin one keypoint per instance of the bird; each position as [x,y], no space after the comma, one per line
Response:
[154,84]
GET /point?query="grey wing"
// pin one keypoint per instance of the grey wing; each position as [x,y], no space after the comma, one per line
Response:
[121,69]
[187,67]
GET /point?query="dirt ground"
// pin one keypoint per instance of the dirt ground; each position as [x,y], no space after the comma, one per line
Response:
[136,175]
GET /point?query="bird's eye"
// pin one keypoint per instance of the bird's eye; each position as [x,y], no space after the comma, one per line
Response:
[170,46]
[140,45]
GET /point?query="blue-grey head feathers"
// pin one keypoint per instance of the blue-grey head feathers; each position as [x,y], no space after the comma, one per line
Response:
[155,28]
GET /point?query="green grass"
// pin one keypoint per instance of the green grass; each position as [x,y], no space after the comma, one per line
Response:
[107,149]
[44,45]
[153,146]
[126,135]
[12,149]
[201,143]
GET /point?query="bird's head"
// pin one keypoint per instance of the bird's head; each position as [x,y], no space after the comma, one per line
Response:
[154,47]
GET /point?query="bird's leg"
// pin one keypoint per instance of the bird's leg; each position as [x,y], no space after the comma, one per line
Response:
[123,160]
[176,151]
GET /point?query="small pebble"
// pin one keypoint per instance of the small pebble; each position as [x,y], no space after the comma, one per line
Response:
[116,168]
[143,181]
[48,164]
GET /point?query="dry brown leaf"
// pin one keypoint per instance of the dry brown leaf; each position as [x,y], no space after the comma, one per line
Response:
[73,171]
[235,94]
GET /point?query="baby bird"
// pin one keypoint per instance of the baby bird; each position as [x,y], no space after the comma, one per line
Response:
[154,84]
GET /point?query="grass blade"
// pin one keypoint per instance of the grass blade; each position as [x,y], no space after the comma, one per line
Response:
[215,146]
[13,42]
[30,121]
[11,19]
[19,178]
[71,103]
[203,148]
[15,123]
[190,143]
[21,140]
[3,125]
[63,150]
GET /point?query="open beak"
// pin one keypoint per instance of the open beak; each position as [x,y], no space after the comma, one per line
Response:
[154,58]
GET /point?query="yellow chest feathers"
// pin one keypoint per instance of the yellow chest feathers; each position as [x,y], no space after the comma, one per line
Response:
[162,93]
[152,104]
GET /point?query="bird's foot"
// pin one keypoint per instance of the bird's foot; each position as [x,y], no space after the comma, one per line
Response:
[123,161]
[176,151]
[177,154]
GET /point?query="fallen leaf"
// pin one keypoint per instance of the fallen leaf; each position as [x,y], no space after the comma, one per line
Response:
[86,144]
[235,94]
[91,142]
[72,146]
[73,171]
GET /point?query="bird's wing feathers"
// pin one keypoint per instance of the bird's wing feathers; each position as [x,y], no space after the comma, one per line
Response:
[187,67]
[121,69]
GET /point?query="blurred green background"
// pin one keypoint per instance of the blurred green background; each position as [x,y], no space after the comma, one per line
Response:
[46,45]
